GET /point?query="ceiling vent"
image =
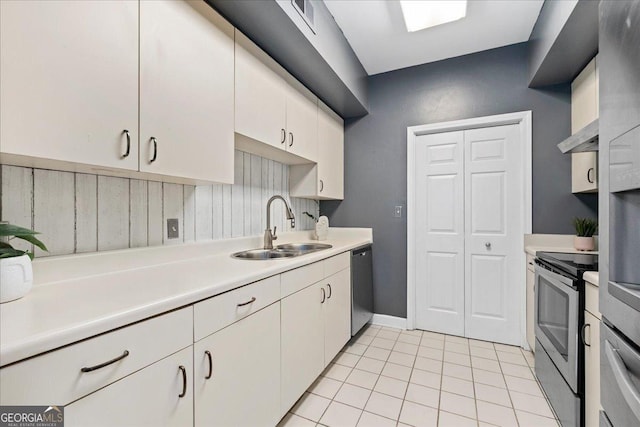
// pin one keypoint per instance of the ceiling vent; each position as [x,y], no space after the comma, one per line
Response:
[305,9]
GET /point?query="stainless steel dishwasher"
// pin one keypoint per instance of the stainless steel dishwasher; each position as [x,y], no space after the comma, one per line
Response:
[361,287]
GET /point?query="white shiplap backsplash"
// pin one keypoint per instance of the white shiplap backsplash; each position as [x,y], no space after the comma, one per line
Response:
[78,212]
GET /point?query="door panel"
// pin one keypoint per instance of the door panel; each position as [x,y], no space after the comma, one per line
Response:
[440,227]
[493,213]
[302,122]
[337,314]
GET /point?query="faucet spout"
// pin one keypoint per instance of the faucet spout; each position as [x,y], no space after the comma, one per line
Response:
[269,237]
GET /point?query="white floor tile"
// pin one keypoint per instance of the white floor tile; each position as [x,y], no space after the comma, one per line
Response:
[311,406]
[458,371]
[515,358]
[455,338]
[377,353]
[325,387]
[370,365]
[457,386]
[457,404]
[293,420]
[365,339]
[423,395]
[433,335]
[431,353]
[456,347]
[357,349]
[507,348]
[485,364]
[409,339]
[337,372]
[479,343]
[457,358]
[383,343]
[391,386]
[353,395]
[398,372]
[389,334]
[486,353]
[523,385]
[404,347]
[496,414]
[384,405]
[362,379]
[414,332]
[491,394]
[346,359]
[517,371]
[446,419]
[340,415]
[427,364]
[401,359]
[489,378]
[530,358]
[431,343]
[368,419]
[418,415]
[529,403]
[425,378]
[526,419]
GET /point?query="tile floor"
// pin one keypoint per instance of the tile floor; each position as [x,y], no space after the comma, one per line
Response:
[388,377]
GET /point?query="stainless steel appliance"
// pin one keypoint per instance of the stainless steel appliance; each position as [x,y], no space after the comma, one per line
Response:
[619,65]
[361,287]
[559,319]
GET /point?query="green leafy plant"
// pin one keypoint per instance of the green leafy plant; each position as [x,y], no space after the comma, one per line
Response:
[585,227]
[11,232]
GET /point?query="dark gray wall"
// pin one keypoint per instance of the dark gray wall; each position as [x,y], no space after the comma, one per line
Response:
[481,84]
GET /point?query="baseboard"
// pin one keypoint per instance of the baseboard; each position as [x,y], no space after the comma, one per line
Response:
[389,321]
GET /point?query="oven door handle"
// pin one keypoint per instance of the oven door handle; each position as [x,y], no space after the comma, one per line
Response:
[553,276]
[630,393]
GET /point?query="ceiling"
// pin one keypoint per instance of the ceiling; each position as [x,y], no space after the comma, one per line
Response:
[376,31]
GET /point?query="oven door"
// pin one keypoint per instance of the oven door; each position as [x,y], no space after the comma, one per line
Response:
[556,321]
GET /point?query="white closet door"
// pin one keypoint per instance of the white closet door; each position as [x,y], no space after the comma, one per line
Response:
[493,219]
[440,227]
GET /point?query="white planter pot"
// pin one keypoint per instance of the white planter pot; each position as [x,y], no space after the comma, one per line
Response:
[584,243]
[16,278]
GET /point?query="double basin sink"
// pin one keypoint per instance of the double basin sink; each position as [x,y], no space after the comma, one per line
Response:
[288,250]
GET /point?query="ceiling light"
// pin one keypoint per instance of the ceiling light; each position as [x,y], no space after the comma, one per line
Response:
[421,14]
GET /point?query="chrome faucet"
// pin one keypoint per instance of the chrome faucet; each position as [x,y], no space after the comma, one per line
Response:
[268,236]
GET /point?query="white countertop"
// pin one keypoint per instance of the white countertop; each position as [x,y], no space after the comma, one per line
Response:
[79,296]
[591,277]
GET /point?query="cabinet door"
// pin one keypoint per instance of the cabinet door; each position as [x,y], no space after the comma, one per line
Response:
[337,314]
[592,370]
[330,155]
[584,172]
[531,298]
[186,91]
[244,388]
[302,122]
[259,95]
[149,397]
[70,81]
[584,98]
[302,342]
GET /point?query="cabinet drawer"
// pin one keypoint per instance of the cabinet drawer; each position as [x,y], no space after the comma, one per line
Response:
[336,263]
[56,377]
[215,313]
[591,303]
[300,278]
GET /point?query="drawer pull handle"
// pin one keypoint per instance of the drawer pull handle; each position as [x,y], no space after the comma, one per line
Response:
[208,353]
[184,381]
[329,286]
[107,363]
[252,300]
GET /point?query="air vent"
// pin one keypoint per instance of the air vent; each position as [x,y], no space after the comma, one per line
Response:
[305,9]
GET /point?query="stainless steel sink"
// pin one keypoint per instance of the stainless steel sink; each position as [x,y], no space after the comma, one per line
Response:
[263,254]
[303,247]
[288,250]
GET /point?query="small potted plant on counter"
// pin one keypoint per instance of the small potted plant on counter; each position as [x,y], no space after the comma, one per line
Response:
[16,272]
[585,229]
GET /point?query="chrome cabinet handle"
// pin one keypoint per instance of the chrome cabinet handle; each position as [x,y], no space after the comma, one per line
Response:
[107,363]
[487,245]
[242,304]
[155,149]
[290,139]
[283,136]
[126,153]
[324,296]
[583,335]
[321,185]
[208,354]
[329,286]
[590,176]
[184,381]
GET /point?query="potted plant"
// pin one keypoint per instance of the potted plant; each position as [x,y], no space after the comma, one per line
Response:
[585,229]
[16,272]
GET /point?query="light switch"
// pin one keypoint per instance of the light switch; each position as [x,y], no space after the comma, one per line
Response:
[173,231]
[397,212]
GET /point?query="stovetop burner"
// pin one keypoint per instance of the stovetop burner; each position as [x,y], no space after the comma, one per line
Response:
[573,263]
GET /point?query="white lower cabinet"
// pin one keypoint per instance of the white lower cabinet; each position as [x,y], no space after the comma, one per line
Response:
[591,342]
[158,395]
[237,373]
[337,314]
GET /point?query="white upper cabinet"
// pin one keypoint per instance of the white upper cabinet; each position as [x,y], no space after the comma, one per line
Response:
[186,91]
[272,108]
[69,78]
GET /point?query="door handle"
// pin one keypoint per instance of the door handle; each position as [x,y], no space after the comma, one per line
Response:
[583,334]
[210,360]
[183,370]
[629,392]
[155,149]
[126,153]
[329,286]
[324,296]
[283,136]
[321,185]
[590,173]
[487,245]
[290,139]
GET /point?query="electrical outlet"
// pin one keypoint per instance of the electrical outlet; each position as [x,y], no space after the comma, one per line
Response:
[397,212]
[173,228]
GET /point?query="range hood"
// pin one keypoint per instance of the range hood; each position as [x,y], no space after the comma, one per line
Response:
[586,139]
